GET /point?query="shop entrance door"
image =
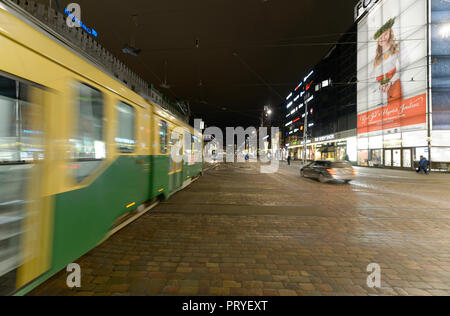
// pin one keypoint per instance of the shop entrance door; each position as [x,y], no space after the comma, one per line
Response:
[407,158]
[397,158]
[388,158]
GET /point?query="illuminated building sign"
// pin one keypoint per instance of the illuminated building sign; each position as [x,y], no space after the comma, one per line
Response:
[90,31]
[323,138]
[298,87]
[309,75]
[363,7]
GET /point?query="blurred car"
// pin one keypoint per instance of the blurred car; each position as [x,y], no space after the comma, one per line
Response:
[326,171]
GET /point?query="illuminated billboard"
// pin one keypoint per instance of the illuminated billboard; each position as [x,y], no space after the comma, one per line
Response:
[392,68]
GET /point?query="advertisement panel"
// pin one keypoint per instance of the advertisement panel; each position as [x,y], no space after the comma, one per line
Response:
[440,66]
[392,68]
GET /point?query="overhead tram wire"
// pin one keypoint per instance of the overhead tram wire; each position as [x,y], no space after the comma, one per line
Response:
[174,94]
[146,67]
[293,84]
[259,46]
[256,74]
[300,44]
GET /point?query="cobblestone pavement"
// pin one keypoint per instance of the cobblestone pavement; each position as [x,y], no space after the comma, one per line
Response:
[239,232]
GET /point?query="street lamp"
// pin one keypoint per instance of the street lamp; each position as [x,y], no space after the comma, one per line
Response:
[267,112]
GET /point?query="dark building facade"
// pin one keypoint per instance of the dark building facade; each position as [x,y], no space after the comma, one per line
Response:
[322,108]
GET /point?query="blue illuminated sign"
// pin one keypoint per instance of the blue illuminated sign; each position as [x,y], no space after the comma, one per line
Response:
[90,31]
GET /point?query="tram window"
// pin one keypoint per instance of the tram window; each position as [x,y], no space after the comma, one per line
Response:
[21,122]
[180,153]
[163,137]
[187,147]
[21,146]
[175,140]
[193,149]
[89,145]
[172,166]
[126,130]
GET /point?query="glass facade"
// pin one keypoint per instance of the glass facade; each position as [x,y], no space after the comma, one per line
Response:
[440,85]
[323,103]
[392,82]
[398,121]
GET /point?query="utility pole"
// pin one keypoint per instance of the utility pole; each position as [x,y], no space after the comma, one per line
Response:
[305,133]
[429,100]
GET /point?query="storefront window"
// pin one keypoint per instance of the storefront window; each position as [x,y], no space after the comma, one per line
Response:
[375,159]
[407,158]
[341,153]
[440,158]
[363,158]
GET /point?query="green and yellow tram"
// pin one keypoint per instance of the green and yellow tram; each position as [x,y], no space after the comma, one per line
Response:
[79,152]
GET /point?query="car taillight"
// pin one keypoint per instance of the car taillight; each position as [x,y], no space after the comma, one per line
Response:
[332,172]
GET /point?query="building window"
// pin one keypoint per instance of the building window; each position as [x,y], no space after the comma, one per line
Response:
[126,118]
[89,145]
[163,137]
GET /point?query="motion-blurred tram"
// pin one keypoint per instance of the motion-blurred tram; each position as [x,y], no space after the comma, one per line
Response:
[80,153]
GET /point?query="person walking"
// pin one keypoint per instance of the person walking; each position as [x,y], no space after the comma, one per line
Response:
[289,160]
[423,165]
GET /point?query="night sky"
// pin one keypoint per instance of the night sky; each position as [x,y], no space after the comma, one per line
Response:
[250,53]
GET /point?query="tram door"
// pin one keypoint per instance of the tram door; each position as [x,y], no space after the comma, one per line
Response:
[179,163]
[176,161]
[24,217]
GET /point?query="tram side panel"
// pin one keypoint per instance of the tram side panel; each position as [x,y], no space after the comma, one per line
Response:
[160,158]
[89,174]
[116,182]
